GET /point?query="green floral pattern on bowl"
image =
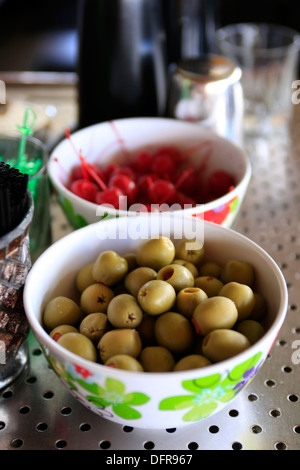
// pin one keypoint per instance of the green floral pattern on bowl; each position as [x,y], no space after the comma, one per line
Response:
[207,392]
[203,398]
[76,220]
[112,393]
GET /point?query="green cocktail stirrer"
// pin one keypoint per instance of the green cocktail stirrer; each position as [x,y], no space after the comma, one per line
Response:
[25,129]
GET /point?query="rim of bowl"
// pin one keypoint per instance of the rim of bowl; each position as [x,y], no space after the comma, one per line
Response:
[226,364]
[175,123]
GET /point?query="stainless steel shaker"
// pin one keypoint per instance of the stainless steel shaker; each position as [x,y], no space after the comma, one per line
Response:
[208,90]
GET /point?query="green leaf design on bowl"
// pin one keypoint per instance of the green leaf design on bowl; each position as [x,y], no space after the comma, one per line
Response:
[203,397]
[113,393]
[208,392]
[76,220]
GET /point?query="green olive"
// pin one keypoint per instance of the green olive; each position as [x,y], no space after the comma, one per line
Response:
[187,265]
[242,295]
[157,359]
[124,312]
[193,361]
[156,297]
[252,329]
[61,311]
[223,344]
[79,344]
[120,341]
[210,268]
[84,277]
[191,250]
[188,298]
[239,271]
[155,253]
[174,331]
[62,330]
[137,278]
[94,326]
[214,313]
[110,268]
[125,362]
[146,329]
[211,285]
[176,275]
[96,298]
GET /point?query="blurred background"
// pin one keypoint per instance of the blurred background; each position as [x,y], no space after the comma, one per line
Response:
[42,36]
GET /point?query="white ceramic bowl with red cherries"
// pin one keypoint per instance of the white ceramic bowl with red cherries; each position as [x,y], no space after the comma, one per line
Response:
[135,165]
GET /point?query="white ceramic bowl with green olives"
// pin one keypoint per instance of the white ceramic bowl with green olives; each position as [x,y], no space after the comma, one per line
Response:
[223,357]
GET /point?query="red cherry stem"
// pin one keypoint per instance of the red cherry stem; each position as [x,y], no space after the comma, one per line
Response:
[84,167]
[179,182]
[88,170]
[61,168]
[68,136]
[119,139]
[97,178]
[186,173]
[196,147]
[184,176]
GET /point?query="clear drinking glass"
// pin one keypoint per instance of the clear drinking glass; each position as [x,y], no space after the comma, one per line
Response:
[15,263]
[268,56]
[32,156]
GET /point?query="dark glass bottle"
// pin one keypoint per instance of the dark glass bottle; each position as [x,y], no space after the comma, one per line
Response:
[190,28]
[122,60]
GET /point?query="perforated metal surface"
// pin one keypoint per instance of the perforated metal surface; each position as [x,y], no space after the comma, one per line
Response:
[37,412]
